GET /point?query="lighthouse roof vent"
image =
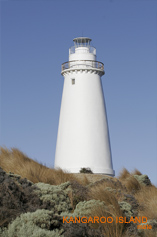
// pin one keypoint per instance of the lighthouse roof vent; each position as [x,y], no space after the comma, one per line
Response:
[82,42]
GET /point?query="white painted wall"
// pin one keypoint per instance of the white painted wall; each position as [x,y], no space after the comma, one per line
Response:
[82,53]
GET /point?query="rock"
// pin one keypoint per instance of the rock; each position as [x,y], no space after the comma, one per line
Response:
[16,197]
[133,202]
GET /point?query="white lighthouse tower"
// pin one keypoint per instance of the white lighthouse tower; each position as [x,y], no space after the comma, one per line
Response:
[83,137]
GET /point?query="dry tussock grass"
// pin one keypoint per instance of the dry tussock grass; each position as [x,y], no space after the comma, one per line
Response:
[128,180]
[99,193]
[132,184]
[15,161]
[150,233]
[147,199]
[108,184]
[101,189]
[123,174]
[136,172]
[113,210]
[85,181]
[108,229]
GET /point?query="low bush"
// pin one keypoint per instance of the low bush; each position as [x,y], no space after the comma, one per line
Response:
[86,171]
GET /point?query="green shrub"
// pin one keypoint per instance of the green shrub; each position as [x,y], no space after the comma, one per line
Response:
[86,207]
[36,224]
[55,197]
[86,171]
[143,179]
[126,208]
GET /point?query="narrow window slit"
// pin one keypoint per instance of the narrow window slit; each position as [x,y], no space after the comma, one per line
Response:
[73,81]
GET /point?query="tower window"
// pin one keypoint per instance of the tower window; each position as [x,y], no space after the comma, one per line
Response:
[73,81]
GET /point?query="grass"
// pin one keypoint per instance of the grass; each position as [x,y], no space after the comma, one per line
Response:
[129,181]
[113,210]
[107,197]
[136,172]
[132,184]
[112,229]
[147,199]
[17,162]
[124,174]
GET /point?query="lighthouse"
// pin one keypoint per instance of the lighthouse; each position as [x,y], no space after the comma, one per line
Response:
[83,135]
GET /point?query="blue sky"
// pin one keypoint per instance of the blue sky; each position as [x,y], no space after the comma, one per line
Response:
[35,39]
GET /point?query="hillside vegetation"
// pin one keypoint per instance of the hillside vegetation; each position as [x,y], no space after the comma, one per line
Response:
[35,201]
